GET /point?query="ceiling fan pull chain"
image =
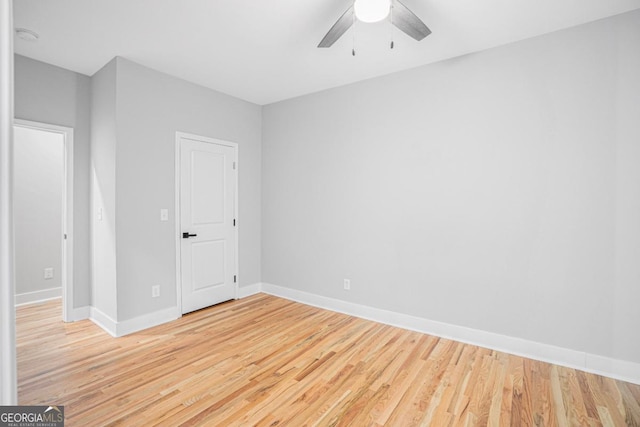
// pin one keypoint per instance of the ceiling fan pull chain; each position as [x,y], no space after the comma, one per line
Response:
[391,26]
[353,49]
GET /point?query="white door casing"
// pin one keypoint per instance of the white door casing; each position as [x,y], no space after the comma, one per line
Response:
[207,221]
[8,367]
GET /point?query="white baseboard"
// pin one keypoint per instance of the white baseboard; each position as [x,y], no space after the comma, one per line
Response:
[247,291]
[614,368]
[606,366]
[38,296]
[80,313]
[126,327]
[129,326]
[169,314]
[104,321]
[146,321]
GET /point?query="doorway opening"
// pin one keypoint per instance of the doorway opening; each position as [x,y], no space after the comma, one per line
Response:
[43,213]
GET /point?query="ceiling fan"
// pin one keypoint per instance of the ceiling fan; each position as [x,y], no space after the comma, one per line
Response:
[375,11]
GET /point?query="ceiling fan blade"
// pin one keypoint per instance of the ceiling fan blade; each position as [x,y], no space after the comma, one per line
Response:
[338,29]
[408,22]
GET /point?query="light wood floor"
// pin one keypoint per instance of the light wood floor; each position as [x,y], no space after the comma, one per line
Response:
[268,361]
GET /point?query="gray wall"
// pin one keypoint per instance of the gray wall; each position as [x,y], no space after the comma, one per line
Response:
[38,178]
[49,94]
[151,107]
[134,113]
[626,192]
[103,190]
[498,191]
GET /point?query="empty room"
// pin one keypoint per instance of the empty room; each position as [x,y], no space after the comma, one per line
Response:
[356,213]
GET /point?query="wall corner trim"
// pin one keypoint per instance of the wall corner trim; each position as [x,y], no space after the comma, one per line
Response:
[600,365]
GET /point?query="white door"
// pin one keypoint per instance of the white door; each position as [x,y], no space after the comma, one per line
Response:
[207,217]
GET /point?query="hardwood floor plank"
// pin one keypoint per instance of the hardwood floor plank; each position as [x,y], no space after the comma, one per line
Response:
[631,405]
[556,392]
[414,403]
[267,361]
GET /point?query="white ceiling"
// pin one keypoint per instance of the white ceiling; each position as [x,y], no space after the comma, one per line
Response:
[265,51]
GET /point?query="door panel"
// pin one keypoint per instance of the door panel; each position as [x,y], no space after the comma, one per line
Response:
[207,212]
[207,264]
[208,178]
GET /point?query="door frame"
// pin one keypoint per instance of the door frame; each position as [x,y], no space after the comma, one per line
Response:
[8,366]
[66,276]
[177,209]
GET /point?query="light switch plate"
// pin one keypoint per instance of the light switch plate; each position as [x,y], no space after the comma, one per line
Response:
[164,214]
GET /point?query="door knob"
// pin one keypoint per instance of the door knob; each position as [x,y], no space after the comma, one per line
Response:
[187,235]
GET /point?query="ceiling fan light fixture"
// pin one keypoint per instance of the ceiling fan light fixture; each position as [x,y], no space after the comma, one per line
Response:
[371,10]
[374,11]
